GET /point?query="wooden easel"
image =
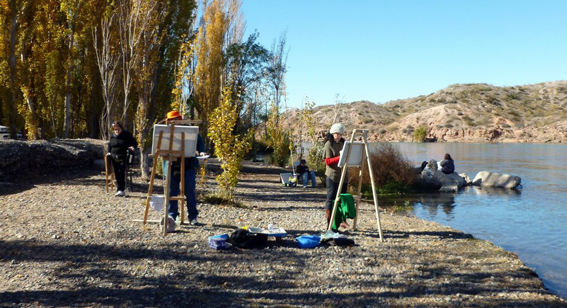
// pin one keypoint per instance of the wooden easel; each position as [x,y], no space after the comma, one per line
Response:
[108,173]
[169,156]
[365,161]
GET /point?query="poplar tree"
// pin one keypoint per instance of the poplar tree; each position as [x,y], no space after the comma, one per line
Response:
[209,55]
[107,59]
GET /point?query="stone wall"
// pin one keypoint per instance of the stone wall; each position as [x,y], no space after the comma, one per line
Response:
[22,157]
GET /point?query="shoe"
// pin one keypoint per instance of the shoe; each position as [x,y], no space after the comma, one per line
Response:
[304,186]
[120,193]
[193,222]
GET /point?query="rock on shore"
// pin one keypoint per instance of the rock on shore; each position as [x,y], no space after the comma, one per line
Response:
[24,157]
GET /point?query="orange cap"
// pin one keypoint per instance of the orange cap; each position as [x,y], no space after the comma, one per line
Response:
[173,114]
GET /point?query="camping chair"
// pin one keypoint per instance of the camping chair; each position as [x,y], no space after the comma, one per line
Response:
[129,169]
[290,178]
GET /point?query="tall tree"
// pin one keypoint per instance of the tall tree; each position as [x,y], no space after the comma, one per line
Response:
[107,58]
[134,17]
[209,53]
[72,10]
[278,67]
[246,65]
[13,20]
[159,51]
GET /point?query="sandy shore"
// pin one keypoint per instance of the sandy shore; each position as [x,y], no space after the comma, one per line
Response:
[65,242]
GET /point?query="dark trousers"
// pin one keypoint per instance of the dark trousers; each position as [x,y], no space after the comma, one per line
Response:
[332,190]
[174,190]
[119,174]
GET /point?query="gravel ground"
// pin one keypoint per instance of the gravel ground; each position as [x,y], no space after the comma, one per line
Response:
[65,242]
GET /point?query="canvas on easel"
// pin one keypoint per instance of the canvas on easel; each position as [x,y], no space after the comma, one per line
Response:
[171,142]
[189,143]
[357,155]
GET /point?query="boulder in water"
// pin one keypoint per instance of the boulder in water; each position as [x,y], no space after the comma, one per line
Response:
[493,179]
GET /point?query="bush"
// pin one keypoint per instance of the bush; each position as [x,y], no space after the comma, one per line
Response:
[316,162]
[419,134]
[393,173]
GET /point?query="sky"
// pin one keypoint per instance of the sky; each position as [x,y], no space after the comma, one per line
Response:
[378,50]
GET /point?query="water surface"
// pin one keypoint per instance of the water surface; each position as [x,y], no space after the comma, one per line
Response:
[531,222]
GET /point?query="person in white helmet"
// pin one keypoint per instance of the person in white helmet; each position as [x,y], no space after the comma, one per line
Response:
[333,147]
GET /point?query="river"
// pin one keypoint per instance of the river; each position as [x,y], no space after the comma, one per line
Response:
[531,222]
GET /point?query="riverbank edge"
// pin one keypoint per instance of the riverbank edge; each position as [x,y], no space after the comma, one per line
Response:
[420,263]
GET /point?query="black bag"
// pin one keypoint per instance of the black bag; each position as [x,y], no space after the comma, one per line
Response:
[243,239]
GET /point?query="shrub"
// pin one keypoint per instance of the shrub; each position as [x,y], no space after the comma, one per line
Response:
[419,134]
[393,173]
[316,162]
[279,138]
[468,120]
[230,148]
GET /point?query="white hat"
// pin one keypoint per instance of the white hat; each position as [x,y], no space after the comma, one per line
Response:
[337,128]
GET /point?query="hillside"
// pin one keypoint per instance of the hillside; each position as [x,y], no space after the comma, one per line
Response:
[459,113]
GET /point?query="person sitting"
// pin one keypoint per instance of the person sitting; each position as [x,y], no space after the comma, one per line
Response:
[447,164]
[305,174]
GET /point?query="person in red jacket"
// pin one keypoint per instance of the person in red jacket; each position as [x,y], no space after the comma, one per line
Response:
[332,152]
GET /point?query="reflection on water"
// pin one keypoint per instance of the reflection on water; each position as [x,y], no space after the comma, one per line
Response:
[492,191]
[432,202]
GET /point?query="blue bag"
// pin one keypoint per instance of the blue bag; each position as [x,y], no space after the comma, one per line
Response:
[308,241]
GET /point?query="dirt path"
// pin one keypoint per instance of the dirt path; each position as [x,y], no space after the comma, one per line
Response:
[65,242]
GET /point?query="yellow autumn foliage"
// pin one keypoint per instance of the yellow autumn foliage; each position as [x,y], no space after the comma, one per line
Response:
[230,148]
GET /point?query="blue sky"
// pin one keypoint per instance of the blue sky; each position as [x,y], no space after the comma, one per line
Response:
[386,50]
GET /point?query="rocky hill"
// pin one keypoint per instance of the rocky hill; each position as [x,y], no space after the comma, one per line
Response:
[458,113]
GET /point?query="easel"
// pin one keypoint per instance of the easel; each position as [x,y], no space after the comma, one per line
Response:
[108,173]
[365,160]
[169,156]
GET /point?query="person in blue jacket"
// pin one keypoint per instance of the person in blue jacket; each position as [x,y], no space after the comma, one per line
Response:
[191,167]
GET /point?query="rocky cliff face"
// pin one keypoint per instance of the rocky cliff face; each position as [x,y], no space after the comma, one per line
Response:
[458,113]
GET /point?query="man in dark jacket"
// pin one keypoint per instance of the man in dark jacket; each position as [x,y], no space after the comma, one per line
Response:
[120,142]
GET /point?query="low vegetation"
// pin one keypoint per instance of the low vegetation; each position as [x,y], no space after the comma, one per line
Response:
[392,171]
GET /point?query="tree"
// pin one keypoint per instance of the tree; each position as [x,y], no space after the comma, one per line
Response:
[229,146]
[107,58]
[279,139]
[209,56]
[278,67]
[246,65]
[133,19]
[72,9]
[419,134]
[159,50]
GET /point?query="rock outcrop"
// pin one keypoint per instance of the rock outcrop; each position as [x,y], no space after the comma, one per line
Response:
[18,158]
